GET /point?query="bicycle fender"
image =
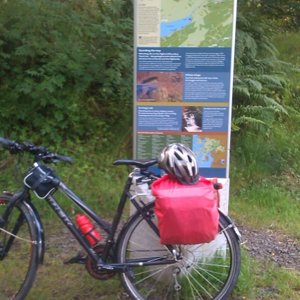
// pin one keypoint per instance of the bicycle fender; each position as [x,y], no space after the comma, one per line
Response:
[231,223]
[34,215]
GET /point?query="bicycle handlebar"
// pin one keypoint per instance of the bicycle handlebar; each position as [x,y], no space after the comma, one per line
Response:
[40,153]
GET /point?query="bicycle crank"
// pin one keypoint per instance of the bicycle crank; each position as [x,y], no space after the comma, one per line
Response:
[93,270]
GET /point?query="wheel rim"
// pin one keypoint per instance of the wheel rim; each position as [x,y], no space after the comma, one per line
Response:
[15,265]
[205,271]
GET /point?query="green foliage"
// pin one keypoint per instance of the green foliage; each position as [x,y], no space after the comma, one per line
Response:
[64,68]
[92,176]
[265,96]
[264,280]
[284,14]
[262,91]
[267,203]
[260,80]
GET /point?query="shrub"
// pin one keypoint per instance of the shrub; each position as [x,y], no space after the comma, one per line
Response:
[64,67]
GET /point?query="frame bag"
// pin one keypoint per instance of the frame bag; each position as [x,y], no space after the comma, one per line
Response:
[42,180]
[187,214]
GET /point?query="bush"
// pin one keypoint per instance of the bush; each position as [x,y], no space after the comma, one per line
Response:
[64,68]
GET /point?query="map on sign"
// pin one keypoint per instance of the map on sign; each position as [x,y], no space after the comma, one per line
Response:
[209,152]
[196,23]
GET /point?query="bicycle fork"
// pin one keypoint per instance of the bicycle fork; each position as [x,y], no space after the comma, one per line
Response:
[4,248]
[6,243]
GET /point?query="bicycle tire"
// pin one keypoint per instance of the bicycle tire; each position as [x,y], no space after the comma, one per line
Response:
[207,271]
[18,267]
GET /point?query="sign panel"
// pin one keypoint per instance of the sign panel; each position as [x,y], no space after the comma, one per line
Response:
[183,79]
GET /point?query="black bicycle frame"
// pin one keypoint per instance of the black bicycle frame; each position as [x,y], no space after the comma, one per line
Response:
[23,197]
[110,229]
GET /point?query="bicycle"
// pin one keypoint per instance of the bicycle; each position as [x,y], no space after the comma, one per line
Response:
[148,270]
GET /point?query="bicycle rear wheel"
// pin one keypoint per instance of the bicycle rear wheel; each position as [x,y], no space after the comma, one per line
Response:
[205,271]
[18,255]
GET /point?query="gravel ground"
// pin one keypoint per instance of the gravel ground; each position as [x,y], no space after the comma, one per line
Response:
[272,246]
[266,245]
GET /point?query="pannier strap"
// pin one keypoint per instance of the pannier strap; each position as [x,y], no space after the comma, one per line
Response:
[136,163]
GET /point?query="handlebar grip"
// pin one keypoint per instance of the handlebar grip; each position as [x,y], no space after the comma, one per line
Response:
[67,159]
[5,142]
[13,147]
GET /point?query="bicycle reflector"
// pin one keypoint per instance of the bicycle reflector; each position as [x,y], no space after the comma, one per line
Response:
[3,200]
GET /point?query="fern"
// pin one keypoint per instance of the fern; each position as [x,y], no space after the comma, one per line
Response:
[260,83]
[254,84]
[274,80]
[241,91]
[273,103]
[250,123]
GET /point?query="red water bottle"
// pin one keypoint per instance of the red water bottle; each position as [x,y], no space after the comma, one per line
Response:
[87,229]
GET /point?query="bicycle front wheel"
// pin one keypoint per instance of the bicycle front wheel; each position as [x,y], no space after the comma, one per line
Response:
[204,271]
[18,251]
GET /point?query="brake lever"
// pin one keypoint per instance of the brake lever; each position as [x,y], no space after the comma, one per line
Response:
[55,158]
[15,148]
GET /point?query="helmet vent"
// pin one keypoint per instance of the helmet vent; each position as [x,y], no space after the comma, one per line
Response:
[178,156]
[180,162]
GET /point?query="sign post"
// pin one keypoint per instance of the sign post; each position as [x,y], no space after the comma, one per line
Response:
[184,51]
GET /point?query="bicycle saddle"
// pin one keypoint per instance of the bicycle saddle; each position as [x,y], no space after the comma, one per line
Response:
[137,163]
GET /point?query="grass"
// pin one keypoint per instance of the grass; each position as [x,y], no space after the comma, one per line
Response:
[265,179]
[263,280]
[258,279]
[287,44]
[265,194]
[259,196]
[266,205]
[94,178]
[56,280]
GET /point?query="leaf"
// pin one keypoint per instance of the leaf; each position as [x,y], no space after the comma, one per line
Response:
[251,122]
[254,84]
[273,79]
[241,91]
[270,101]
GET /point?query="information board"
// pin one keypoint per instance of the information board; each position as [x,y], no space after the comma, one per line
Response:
[183,79]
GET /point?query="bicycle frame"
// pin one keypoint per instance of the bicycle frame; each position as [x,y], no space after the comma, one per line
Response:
[110,229]
[24,197]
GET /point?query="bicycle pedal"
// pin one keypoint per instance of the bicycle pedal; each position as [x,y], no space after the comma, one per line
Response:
[78,259]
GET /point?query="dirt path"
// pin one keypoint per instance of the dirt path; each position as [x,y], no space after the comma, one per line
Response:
[272,246]
[57,280]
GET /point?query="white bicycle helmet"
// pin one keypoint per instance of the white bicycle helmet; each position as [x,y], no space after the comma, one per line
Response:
[180,162]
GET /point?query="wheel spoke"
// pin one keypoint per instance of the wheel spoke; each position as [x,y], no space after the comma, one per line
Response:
[152,274]
[203,271]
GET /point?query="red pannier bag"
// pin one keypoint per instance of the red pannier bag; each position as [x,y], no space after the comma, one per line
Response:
[187,214]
